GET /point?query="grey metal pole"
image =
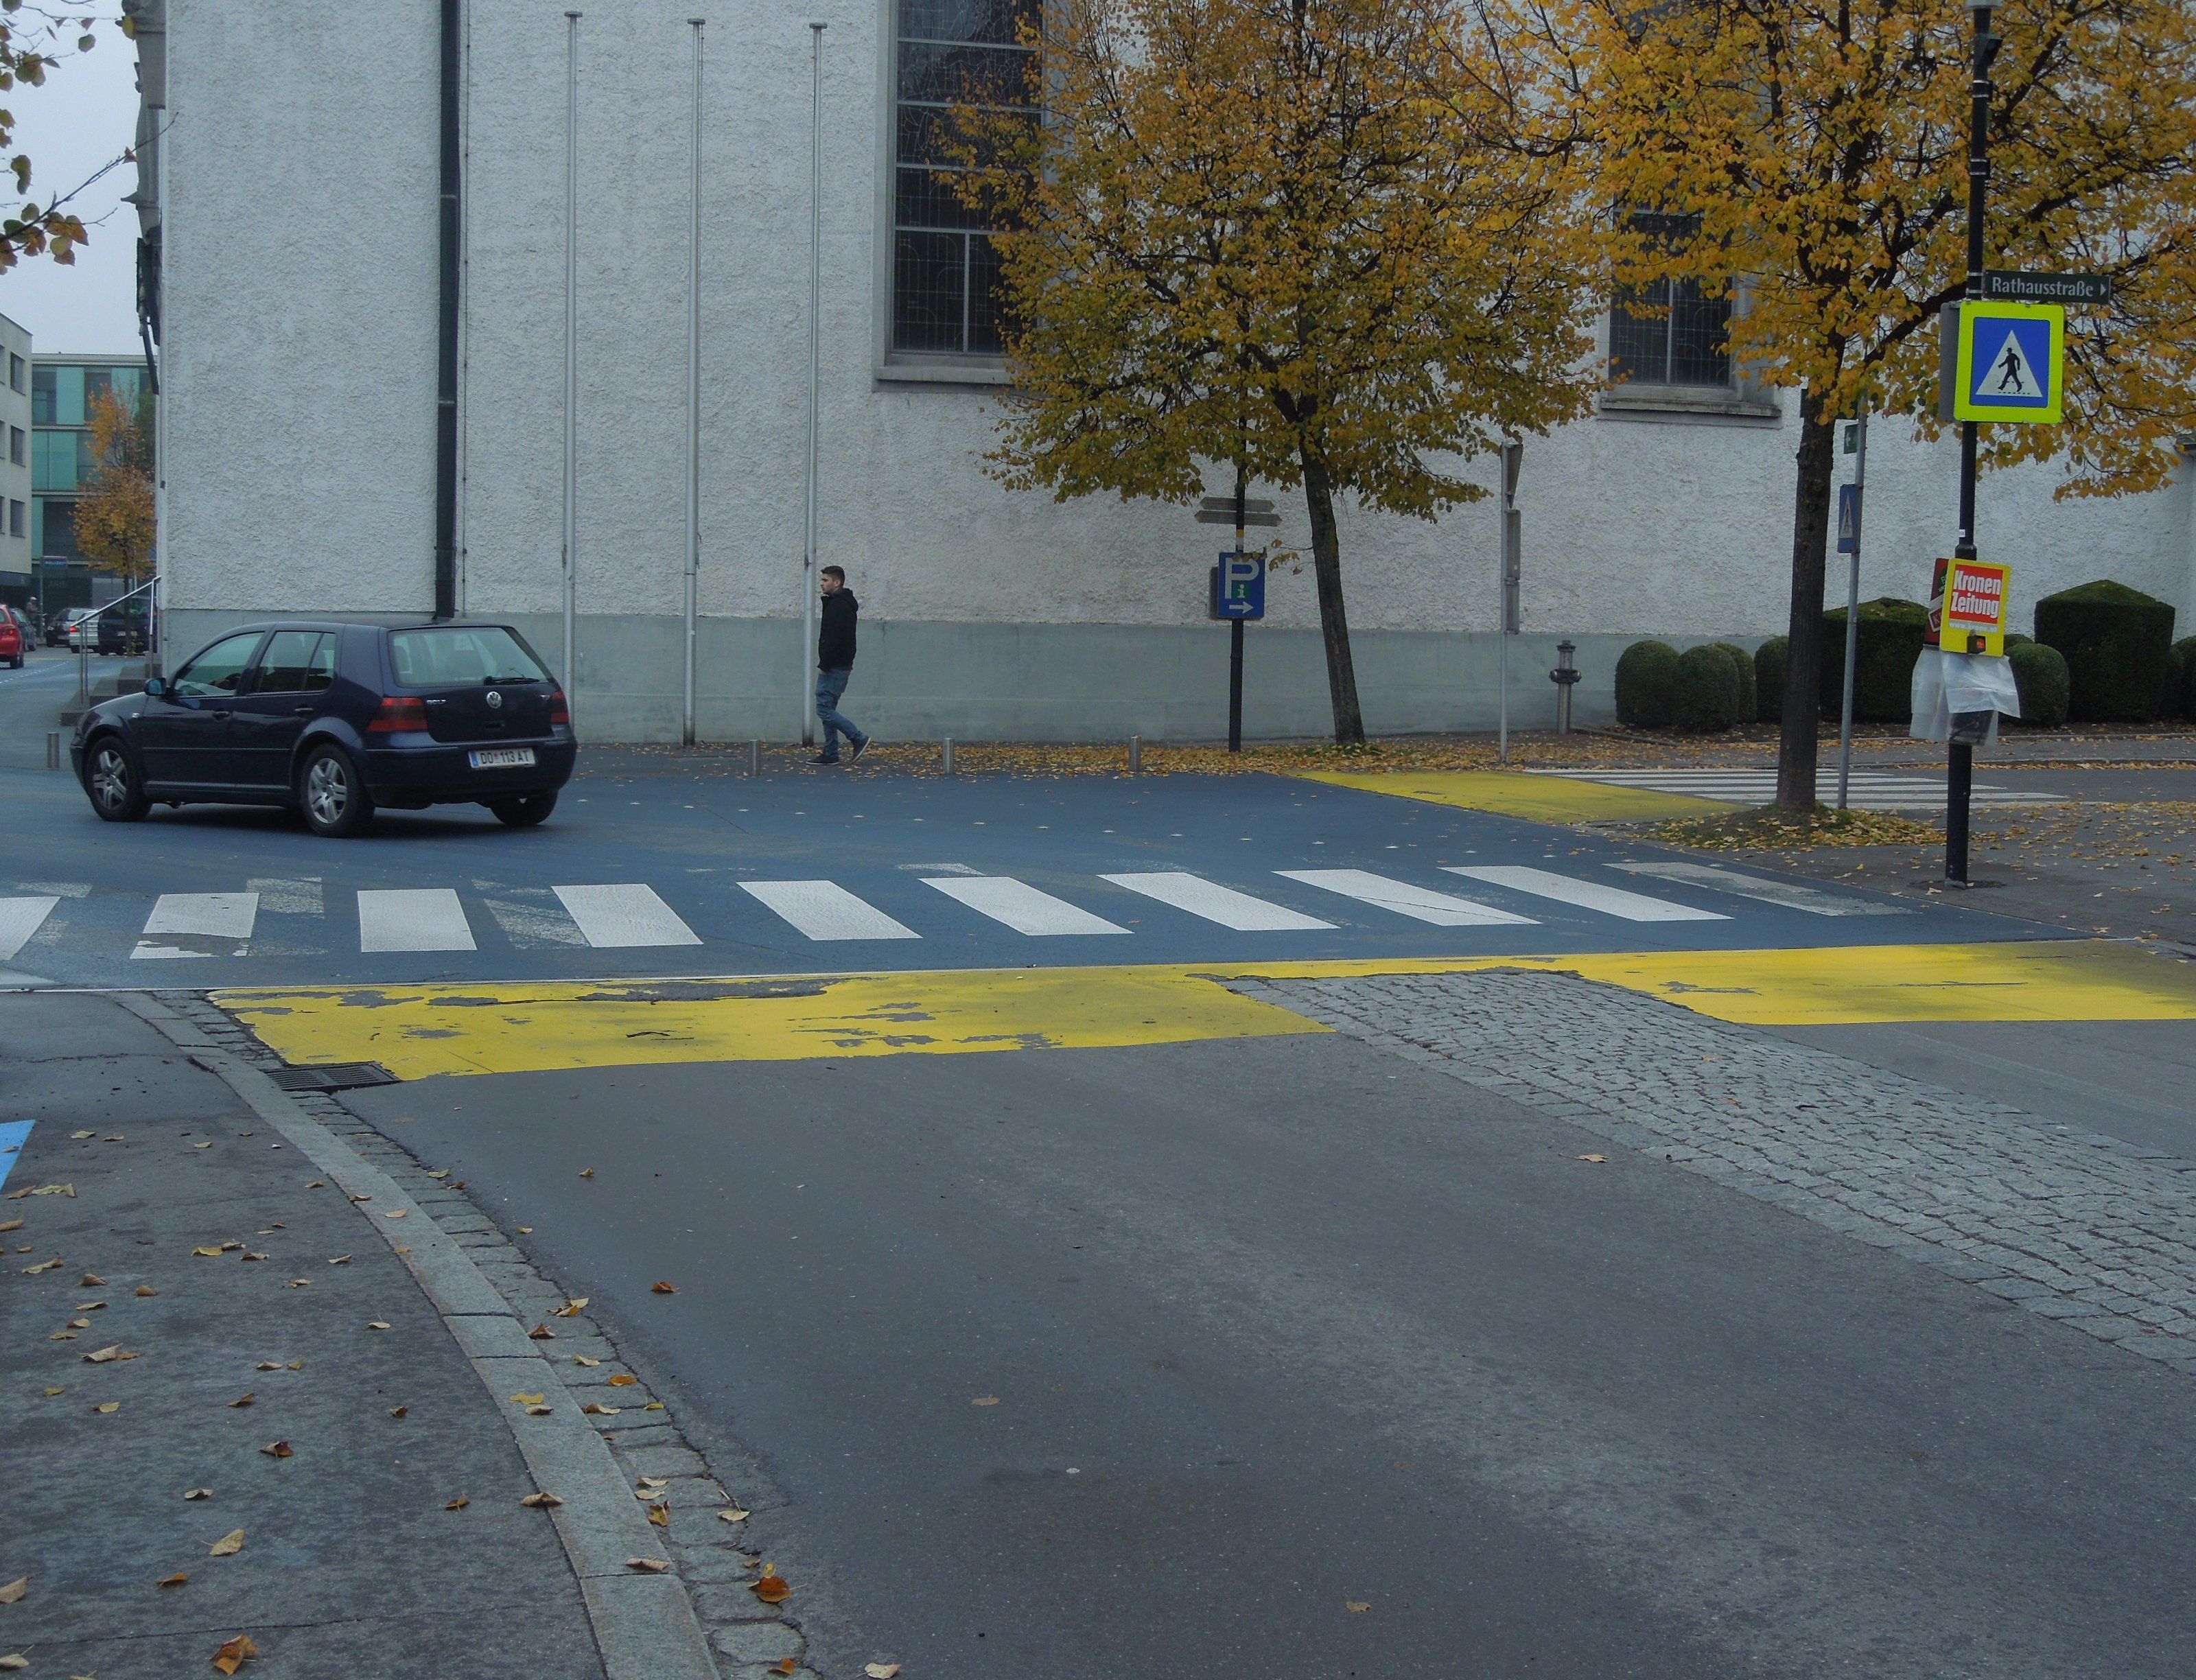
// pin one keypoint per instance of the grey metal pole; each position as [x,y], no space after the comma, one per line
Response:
[808,575]
[1852,607]
[570,671]
[693,390]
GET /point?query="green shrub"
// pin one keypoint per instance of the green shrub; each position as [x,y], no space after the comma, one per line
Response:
[1892,635]
[2040,673]
[1769,680]
[2173,688]
[2013,640]
[1742,662]
[2185,702]
[1647,685]
[2117,644]
[1707,690]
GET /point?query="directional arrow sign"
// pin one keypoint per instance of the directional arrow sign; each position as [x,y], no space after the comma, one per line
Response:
[1221,510]
[2010,362]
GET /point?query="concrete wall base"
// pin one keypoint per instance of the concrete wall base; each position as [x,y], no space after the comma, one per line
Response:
[920,681]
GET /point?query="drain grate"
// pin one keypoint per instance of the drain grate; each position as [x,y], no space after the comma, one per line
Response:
[333,1077]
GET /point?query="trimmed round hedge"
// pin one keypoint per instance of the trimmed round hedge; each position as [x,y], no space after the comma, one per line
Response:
[1892,635]
[2040,673]
[2184,702]
[1742,662]
[1769,680]
[2117,643]
[1709,691]
[1647,685]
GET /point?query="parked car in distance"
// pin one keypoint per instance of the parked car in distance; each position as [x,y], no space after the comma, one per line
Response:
[15,638]
[57,624]
[334,720]
[77,624]
[122,630]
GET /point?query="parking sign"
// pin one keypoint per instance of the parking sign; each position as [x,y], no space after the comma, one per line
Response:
[1239,585]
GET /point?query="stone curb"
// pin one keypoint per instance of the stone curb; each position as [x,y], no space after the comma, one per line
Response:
[644,1624]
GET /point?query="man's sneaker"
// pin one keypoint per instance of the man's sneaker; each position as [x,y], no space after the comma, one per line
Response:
[824,759]
[860,748]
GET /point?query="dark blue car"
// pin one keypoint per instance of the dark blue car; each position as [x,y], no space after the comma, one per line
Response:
[333,720]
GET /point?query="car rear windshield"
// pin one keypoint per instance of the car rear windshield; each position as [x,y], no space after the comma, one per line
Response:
[443,658]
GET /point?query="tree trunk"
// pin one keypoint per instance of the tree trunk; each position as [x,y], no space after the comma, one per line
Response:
[1803,655]
[1333,617]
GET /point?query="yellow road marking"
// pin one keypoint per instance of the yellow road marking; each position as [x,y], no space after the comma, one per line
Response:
[1540,798]
[416,1031]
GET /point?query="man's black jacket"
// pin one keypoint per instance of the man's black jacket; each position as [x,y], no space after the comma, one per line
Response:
[834,645]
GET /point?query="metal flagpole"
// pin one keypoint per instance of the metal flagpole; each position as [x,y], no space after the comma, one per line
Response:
[815,294]
[693,388]
[569,671]
[1852,606]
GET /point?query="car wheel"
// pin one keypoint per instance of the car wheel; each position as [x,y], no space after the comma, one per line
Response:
[525,811]
[111,778]
[333,794]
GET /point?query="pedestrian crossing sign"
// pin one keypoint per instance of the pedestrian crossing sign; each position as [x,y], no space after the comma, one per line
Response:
[2010,359]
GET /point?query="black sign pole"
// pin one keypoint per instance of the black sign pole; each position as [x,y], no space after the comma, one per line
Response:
[1235,633]
[1960,775]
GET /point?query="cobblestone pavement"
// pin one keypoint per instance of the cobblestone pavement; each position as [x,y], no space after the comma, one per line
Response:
[2071,1225]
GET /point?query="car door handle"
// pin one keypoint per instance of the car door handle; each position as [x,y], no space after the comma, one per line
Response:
[301,710]
[224,714]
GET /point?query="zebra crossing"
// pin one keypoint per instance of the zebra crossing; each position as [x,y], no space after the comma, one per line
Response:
[213,927]
[1867,789]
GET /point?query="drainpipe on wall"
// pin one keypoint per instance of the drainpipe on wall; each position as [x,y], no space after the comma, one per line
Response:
[446,328]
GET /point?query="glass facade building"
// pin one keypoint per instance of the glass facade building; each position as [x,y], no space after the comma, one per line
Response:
[63,389]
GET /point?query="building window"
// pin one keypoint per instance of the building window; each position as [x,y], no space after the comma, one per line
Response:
[15,527]
[45,385]
[15,372]
[1668,333]
[16,445]
[946,276]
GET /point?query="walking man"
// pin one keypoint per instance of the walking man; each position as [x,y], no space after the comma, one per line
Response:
[834,665]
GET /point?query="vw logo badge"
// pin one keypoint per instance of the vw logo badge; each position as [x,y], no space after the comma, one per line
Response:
[495,700]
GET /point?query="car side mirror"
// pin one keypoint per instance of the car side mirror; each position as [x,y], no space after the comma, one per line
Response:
[156,687]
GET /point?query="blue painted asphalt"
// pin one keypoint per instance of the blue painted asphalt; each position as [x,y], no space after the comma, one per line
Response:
[694,838]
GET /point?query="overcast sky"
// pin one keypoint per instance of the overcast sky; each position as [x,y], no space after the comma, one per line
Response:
[86,113]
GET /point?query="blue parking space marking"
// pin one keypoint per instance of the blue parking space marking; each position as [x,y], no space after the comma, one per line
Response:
[13,1134]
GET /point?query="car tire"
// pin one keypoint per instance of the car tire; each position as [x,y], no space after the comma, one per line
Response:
[525,811]
[332,794]
[112,781]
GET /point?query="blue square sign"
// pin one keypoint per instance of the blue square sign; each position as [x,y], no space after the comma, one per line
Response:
[2010,362]
[1239,585]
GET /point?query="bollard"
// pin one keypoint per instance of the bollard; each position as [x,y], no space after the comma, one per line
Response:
[949,755]
[1565,677]
[53,749]
[1135,755]
[754,758]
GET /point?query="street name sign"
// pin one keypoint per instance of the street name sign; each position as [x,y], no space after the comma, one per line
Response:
[2009,357]
[1239,585]
[2005,286]
[1221,510]
[1970,608]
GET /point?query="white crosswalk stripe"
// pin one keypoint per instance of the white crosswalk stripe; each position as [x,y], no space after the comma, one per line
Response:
[624,915]
[1587,895]
[1214,902]
[412,919]
[19,919]
[1789,893]
[198,924]
[823,910]
[1420,903]
[1868,790]
[1017,904]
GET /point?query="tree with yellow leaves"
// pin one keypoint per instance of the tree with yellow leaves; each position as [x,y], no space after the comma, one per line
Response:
[1325,243]
[114,519]
[1817,150]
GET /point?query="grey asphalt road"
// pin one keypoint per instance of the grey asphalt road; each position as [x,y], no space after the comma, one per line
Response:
[1276,1329]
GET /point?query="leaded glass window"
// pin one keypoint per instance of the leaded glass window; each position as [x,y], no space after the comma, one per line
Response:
[1668,333]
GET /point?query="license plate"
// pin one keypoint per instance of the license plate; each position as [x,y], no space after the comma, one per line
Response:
[501,758]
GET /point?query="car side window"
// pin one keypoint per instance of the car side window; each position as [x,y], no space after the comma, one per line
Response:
[321,672]
[289,663]
[217,672]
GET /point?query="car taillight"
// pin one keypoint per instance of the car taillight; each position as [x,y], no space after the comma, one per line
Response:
[395,714]
[560,712]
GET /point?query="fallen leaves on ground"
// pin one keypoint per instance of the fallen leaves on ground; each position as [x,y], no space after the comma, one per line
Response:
[785,1665]
[91,1280]
[654,1566]
[301,1283]
[659,1287]
[377,1323]
[107,1354]
[659,1514]
[234,1655]
[228,1545]
[340,1260]
[588,1172]
[174,1580]
[109,1408]
[50,1393]
[145,1289]
[542,1502]
[460,1503]
[623,1380]
[1598,1160]
[984,1399]
[398,1410]
[592,1410]
[581,1358]
[570,1309]
[772,1588]
[541,1333]
[881,1671]
[43,1265]
[1357,1606]
[268,1365]
[197,1492]
[242,1400]
[732,1514]
[278,1449]
[526,1399]
[396,1213]
[14,1659]
[15,1590]
[11,1224]
[649,1486]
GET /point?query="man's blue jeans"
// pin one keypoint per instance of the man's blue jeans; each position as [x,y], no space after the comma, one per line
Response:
[830,685]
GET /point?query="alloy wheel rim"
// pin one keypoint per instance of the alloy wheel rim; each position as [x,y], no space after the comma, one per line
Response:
[327,791]
[110,779]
